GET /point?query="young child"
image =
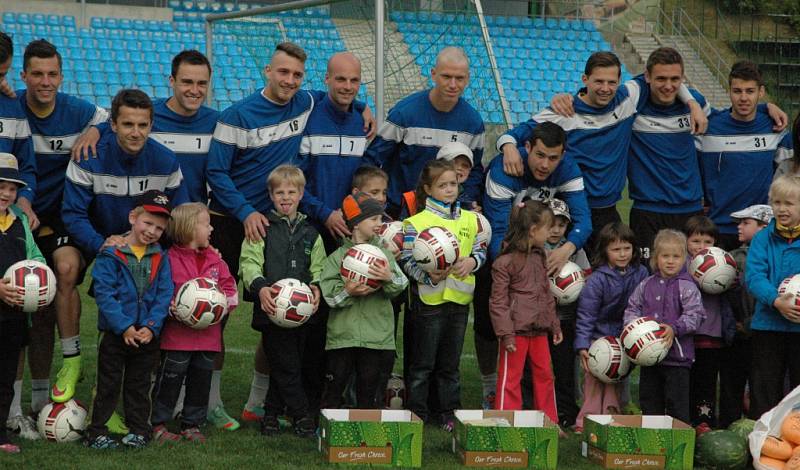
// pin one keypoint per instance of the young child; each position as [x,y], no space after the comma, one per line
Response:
[734,370]
[774,255]
[133,288]
[563,354]
[439,299]
[672,297]
[601,307]
[523,310]
[16,244]
[714,332]
[373,182]
[360,336]
[188,353]
[292,248]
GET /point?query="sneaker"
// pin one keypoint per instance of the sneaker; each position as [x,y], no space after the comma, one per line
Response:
[66,380]
[135,441]
[488,401]
[221,419]
[270,425]
[10,448]
[101,442]
[577,429]
[304,427]
[116,425]
[252,415]
[162,435]
[24,426]
[193,434]
[448,424]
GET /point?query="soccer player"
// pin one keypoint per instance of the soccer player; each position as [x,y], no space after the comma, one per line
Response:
[421,123]
[739,153]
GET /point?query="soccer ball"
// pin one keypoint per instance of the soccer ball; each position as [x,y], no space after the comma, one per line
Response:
[294,303]
[714,270]
[791,285]
[484,236]
[356,263]
[567,285]
[392,234]
[643,341]
[200,303]
[435,249]
[38,281]
[62,422]
[608,361]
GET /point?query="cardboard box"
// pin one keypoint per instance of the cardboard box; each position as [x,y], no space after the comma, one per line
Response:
[624,441]
[530,442]
[388,437]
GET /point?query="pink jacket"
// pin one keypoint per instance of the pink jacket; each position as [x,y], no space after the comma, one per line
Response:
[187,264]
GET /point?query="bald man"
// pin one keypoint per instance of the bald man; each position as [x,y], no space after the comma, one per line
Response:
[421,123]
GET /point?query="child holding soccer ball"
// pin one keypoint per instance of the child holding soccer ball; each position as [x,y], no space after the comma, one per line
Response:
[670,296]
[188,353]
[440,299]
[601,307]
[360,335]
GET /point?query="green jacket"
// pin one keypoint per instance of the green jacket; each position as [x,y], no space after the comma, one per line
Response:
[364,321]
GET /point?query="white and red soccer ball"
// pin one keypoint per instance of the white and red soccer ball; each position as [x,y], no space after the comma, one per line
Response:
[200,303]
[643,341]
[391,234]
[36,279]
[567,285]
[435,249]
[62,422]
[484,235]
[356,263]
[294,303]
[791,285]
[608,361]
[714,269]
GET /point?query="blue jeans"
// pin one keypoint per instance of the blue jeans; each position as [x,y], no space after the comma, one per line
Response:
[193,366]
[434,356]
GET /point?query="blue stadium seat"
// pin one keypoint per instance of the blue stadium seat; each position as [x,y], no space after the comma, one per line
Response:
[148,89]
[104,102]
[139,25]
[114,80]
[124,23]
[143,79]
[178,16]
[9,18]
[97,78]
[136,57]
[124,68]
[193,17]
[68,21]
[182,27]
[96,22]
[175,5]
[39,19]
[235,95]
[162,92]
[101,89]
[85,89]
[198,28]
[53,20]
[165,26]
[23,18]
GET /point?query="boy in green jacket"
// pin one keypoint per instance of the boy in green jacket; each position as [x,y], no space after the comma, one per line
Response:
[361,324]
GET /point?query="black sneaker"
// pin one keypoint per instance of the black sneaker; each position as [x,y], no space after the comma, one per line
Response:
[305,427]
[101,442]
[270,425]
[135,441]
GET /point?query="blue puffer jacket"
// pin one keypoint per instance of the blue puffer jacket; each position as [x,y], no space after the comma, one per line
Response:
[602,303]
[119,305]
[770,260]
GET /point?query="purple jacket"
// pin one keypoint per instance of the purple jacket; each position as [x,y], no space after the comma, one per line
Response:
[675,301]
[602,303]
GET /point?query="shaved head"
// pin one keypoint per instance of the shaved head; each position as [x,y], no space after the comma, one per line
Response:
[343,59]
[343,79]
[452,55]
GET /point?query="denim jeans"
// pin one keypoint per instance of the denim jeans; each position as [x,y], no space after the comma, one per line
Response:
[193,366]
[438,332]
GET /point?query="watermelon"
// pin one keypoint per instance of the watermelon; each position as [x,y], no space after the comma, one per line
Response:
[742,427]
[721,450]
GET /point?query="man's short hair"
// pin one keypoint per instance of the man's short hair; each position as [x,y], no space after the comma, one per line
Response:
[746,70]
[6,47]
[286,174]
[366,173]
[550,134]
[191,57]
[131,98]
[293,50]
[602,59]
[452,54]
[41,49]
[664,56]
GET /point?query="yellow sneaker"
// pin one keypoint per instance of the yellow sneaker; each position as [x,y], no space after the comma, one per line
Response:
[66,380]
[116,425]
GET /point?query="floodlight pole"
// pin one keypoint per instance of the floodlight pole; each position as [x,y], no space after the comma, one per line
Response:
[379,70]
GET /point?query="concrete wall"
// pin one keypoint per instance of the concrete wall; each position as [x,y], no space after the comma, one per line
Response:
[84,13]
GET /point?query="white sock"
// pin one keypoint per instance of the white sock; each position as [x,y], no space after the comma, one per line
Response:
[71,346]
[40,394]
[489,383]
[258,390]
[16,403]
[214,397]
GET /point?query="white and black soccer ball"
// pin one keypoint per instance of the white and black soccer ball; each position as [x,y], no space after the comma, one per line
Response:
[567,285]
[714,269]
[200,303]
[294,303]
[62,422]
[392,234]
[608,361]
[791,285]
[484,236]
[436,249]
[36,279]
[356,263]
[643,340]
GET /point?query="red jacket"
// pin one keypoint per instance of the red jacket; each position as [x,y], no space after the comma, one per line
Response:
[521,302]
[187,264]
